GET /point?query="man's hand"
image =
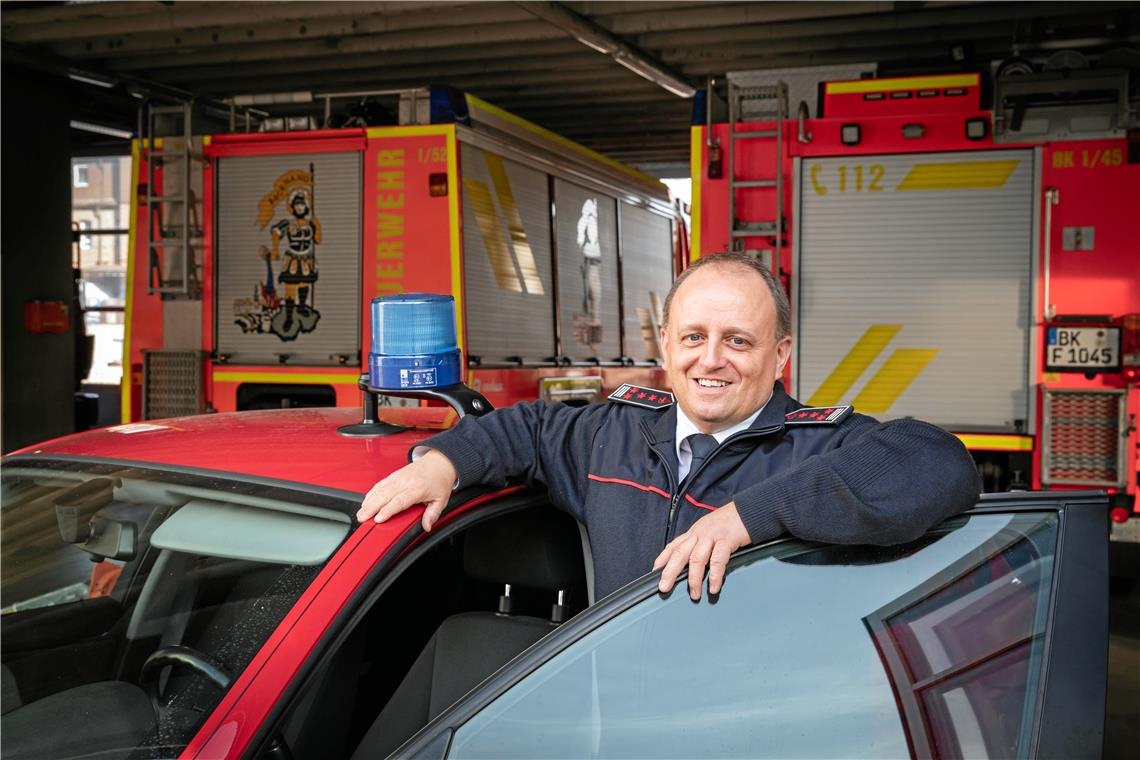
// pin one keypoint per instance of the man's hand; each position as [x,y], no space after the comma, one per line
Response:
[709,543]
[427,481]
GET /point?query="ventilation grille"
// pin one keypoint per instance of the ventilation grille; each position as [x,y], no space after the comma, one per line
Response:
[172,384]
[1083,444]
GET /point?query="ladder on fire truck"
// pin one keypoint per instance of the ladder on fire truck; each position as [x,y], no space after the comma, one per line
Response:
[173,228]
[765,103]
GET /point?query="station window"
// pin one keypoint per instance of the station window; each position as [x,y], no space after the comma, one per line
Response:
[100,217]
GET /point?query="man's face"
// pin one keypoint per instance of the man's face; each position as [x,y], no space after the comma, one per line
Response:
[721,353]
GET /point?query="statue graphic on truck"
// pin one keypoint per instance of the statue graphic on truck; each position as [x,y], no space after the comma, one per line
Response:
[294,312]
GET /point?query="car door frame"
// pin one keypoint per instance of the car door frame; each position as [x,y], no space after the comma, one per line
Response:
[1071,694]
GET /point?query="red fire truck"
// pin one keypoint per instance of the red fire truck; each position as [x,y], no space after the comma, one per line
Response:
[973,266]
[255,253]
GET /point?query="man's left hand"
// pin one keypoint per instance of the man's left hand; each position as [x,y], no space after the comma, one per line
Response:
[709,543]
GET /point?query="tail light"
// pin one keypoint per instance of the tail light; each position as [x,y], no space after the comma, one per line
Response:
[1130,347]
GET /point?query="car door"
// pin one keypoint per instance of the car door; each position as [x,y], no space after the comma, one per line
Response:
[987,637]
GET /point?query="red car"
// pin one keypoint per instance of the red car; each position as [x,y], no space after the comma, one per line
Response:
[199,588]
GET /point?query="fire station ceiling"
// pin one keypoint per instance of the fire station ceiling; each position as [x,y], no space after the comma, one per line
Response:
[615,76]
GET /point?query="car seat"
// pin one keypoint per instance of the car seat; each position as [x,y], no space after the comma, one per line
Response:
[538,549]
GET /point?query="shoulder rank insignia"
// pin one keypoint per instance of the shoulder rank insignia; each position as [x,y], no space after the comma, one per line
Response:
[818,415]
[647,398]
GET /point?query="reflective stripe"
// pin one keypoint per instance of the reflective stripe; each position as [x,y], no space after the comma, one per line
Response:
[853,365]
[894,377]
[286,377]
[128,306]
[902,83]
[477,104]
[959,175]
[996,442]
[696,173]
[411,131]
[453,226]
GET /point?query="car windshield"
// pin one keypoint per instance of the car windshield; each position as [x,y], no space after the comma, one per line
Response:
[133,597]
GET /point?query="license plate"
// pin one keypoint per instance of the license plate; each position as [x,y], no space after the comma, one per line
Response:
[1082,348]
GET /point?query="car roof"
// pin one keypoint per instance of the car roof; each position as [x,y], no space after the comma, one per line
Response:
[297,445]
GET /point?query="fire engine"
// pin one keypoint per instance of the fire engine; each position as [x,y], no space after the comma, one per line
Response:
[254,252]
[970,265]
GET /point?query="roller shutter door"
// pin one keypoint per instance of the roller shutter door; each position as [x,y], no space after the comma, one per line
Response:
[586,222]
[914,286]
[647,269]
[506,258]
[253,322]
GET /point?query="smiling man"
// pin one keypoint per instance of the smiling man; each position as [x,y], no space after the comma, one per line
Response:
[735,461]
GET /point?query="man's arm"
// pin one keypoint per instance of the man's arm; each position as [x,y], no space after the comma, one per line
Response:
[538,442]
[881,484]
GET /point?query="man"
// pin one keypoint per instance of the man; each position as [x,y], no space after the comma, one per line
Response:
[760,466]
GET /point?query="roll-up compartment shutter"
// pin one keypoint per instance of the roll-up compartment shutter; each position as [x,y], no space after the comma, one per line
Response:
[506,258]
[913,286]
[647,275]
[586,224]
[305,302]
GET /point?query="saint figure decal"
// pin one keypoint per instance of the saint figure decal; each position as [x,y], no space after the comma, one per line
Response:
[300,230]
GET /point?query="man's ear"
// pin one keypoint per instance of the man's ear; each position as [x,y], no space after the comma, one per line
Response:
[663,344]
[783,353]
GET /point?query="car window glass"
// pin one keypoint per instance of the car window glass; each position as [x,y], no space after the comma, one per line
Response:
[932,648]
[89,600]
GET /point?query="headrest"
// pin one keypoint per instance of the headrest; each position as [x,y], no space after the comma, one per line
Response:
[539,548]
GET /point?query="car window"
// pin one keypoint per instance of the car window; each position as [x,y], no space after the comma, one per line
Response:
[932,649]
[133,597]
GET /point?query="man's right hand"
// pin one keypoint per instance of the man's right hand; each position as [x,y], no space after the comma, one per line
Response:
[428,481]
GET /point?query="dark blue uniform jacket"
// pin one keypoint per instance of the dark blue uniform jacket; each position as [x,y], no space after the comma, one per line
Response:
[614,468]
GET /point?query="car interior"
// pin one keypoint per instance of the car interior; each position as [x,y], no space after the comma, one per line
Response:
[462,608]
[141,667]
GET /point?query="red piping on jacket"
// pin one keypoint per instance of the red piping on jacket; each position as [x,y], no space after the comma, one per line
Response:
[696,503]
[619,481]
[652,489]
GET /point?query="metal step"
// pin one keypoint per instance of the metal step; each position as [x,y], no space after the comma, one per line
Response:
[763,133]
[762,92]
[754,229]
[754,183]
[157,199]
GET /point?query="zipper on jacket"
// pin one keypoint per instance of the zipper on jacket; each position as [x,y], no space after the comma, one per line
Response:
[679,492]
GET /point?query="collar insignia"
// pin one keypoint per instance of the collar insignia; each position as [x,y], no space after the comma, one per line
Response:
[818,415]
[646,398]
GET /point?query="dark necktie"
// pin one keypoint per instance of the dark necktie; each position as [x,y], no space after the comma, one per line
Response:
[701,445]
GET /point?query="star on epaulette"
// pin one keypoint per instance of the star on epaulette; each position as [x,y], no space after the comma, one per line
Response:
[646,398]
[818,415]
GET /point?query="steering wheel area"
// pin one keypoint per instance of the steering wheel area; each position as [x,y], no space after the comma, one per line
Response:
[178,656]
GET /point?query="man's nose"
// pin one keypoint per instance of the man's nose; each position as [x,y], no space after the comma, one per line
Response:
[713,354]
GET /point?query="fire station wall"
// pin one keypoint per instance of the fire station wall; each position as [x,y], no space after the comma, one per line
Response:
[38,370]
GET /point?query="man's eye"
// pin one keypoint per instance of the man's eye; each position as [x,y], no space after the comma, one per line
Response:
[736,341]
[691,338]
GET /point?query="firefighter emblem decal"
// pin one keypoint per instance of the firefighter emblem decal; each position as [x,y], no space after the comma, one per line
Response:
[587,322]
[292,203]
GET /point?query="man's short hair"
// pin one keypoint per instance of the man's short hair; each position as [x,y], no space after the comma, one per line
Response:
[779,297]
